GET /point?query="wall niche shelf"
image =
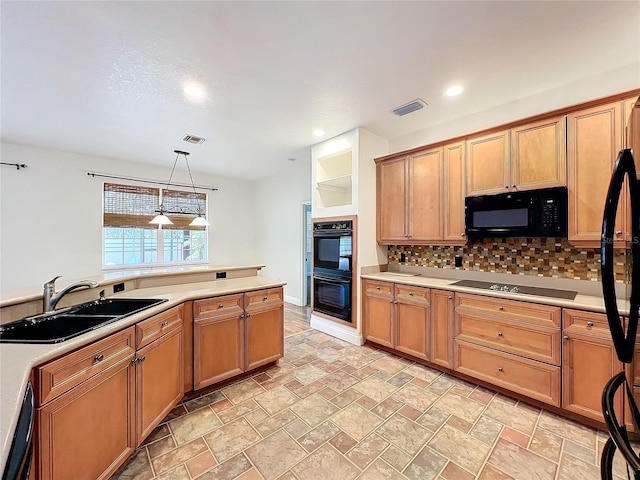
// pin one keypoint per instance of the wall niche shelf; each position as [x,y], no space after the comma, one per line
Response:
[333,179]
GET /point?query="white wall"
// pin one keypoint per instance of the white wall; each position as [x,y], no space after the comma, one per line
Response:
[51,215]
[279,225]
[609,83]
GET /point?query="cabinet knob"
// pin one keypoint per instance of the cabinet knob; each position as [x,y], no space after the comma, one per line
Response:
[247,315]
[411,294]
[500,334]
[618,232]
[565,337]
[589,324]
[513,186]
[377,288]
[98,358]
[450,297]
[142,359]
[265,298]
[462,234]
[506,186]
[501,309]
[221,305]
[500,369]
[164,324]
[134,361]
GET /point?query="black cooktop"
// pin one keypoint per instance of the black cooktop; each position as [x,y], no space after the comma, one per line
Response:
[503,288]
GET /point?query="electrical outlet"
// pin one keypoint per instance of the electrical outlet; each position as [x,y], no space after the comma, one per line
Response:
[118,287]
[403,258]
[221,275]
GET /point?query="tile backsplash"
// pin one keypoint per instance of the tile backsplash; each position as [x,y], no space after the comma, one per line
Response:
[545,257]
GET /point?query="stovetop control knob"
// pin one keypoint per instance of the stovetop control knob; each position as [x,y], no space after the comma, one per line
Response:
[494,287]
[515,290]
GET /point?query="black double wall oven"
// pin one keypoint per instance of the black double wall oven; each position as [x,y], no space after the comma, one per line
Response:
[332,268]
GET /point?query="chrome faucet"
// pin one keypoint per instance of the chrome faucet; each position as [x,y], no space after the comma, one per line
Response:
[50,298]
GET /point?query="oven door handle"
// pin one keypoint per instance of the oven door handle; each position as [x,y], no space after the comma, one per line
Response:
[333,233]
[331,279]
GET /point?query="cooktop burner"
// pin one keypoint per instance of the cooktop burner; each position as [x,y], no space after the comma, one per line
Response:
[541,292]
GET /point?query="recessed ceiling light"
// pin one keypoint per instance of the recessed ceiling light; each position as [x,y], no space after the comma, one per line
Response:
[318,133]
[193,90]
[453,91]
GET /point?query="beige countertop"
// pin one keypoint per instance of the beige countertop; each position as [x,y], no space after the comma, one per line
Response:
[17,360]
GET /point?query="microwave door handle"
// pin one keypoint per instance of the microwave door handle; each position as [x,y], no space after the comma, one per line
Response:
[624,345]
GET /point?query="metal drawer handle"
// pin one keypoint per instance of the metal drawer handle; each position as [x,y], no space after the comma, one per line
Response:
[499,334]
[500,369]
[164,324]
[589,324]
[98,358]
[221,305]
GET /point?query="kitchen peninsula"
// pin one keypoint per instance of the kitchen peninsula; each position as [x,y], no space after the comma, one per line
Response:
[134,370]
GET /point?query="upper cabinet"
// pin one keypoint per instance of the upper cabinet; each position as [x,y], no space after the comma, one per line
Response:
[420,197]
[524,158]
[594,140]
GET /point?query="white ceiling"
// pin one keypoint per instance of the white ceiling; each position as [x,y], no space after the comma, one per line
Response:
[106,78]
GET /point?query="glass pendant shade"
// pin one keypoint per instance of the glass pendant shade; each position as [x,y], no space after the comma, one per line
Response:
[199,222]
[161,219]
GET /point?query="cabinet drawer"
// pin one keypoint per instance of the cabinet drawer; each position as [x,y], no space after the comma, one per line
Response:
[384,289]
[148,330]
[528,377]
[509,309]
[215,306]
[412,294]
[58,376]
[532,341]
[263,298]
[577,321]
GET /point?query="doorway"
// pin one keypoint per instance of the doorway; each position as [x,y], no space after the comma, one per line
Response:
[306,284]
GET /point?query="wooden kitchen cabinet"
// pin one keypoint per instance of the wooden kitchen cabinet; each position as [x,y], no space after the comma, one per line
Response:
[392,200]
[398,316]
[454,192]
[218,333]
[488,163]
[263,327]
[89,430]
[424,196]
[589,361]
[594,140]
[442,315]
[236,333]
[159,380]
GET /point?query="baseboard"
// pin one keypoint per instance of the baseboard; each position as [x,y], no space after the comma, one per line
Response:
[342,332]
[294,300]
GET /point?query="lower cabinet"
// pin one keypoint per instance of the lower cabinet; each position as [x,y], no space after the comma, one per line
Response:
[589,362]
[236,333]
[97,404]
[398,316]
[442,311]
[87,431]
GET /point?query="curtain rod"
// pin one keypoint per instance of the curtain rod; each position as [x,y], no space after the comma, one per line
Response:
[17,165]
[155,182]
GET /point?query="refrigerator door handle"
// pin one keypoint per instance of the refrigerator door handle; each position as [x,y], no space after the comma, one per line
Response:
[624,344]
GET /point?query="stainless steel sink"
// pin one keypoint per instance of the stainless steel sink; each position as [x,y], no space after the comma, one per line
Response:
[61,325]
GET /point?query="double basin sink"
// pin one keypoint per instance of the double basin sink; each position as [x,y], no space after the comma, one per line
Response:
[63,324]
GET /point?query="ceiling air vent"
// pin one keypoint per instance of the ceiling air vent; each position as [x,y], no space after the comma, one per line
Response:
[193,139]
[410,107]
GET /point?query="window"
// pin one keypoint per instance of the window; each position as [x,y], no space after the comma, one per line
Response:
[130,241]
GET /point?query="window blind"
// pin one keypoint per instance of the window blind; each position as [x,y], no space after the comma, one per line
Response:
[129,205]
[189,202]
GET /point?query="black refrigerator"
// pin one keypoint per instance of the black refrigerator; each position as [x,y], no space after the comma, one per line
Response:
[622,308]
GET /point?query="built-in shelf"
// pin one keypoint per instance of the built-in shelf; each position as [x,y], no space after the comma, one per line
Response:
[338,184]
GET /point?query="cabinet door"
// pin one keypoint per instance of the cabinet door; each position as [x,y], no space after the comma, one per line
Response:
[595,138]
[425,196]
[264,337]
[442,328]
[90,430]
[377,313]
[159,382]
[631,112]
[589,361]
[454,187]
[488,164]
[412,324]
[218,349]
[392,201]
[538,158]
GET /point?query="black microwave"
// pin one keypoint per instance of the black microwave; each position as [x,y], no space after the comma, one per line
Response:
[532,213]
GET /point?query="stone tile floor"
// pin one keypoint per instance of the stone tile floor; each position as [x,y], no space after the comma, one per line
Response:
[331,410]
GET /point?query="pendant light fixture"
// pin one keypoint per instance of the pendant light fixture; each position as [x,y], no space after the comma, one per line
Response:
[161,217]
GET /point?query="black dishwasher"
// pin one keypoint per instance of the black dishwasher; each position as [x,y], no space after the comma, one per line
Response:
[19,460]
